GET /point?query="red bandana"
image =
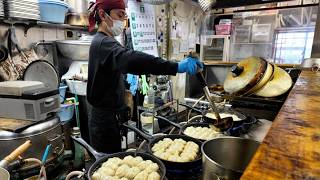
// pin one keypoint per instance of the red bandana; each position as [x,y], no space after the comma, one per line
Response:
[106,5]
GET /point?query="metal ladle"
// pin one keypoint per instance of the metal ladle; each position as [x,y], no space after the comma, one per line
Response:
[221,123]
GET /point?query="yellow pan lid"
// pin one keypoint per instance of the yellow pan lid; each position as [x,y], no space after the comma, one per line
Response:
[278,85]
[245,75]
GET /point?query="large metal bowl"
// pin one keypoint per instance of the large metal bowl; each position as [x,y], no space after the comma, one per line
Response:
[74,49]
[227,157]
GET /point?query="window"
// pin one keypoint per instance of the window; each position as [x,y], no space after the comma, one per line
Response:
[292,46]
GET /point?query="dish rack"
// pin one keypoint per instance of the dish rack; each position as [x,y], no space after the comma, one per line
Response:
[21,9]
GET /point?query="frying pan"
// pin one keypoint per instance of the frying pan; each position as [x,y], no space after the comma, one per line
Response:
[101,158]
[222,125]
[237,128]
[182,128]
[169,164]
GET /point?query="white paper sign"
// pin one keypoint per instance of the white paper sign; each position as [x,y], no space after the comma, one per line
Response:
[184,46]
[143,27]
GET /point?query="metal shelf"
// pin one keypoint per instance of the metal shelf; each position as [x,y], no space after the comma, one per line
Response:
[252,43]
[152,110]
[27,23]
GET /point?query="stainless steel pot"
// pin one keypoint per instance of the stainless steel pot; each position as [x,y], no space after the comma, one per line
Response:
[311,63]
[74,49]
[40,135]
[78,6]
[227,157]
[4,174]
[77,19]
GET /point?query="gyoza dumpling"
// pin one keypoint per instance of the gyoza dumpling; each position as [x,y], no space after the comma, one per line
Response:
[138,159]
[110,164]
[143,175]
[122,170]
[154,176]
[154,166]
[115,160]
[143,165]
[96,176]
[190,156]
[124,178]
[132,172]
[180,141]
[105,171]
[135,161]
[127,160]
[164,155]
[110,178]
[149,162]
[173,158]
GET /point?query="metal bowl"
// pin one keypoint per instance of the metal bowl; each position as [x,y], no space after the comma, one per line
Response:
[74,49]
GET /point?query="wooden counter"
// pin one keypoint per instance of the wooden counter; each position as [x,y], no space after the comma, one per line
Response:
[291,149]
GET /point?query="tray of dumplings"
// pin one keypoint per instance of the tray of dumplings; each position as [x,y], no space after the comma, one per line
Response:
[128,168]
[177,150]
[122,165]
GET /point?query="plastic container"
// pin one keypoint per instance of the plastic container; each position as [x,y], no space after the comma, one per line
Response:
[77,87]
[66,112]
[53,11]
[223,29]
[62,92]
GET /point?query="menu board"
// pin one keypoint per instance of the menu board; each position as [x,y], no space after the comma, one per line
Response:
[143,27]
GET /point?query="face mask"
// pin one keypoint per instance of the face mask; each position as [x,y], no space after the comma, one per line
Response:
[117,27]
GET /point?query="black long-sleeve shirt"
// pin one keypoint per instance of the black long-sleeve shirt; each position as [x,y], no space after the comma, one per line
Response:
[108,61]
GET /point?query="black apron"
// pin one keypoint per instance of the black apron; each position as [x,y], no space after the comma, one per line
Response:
[105,129]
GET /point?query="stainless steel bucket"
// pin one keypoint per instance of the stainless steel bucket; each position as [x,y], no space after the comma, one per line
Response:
[227,157]
[4,174]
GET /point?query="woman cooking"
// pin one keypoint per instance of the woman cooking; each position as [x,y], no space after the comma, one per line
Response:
[108,61]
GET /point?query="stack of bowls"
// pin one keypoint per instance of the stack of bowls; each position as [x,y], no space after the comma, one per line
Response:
[1,9]
[24,9]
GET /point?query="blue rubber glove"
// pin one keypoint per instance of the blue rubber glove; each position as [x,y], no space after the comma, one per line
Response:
[189,65]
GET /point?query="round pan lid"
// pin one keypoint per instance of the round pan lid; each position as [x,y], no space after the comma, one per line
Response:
[245,75]
[42,71]
[278,85]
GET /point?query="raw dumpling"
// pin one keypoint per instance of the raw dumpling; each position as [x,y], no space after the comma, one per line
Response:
[106,171]
[96,176]
[128,160]
[115,160]
[110,178]
[135,161]
[154,167]
[154,176]
[143,175]
[132,172]
[110,165]
[173,158]
[138,159]
[122,170]
[143,165]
